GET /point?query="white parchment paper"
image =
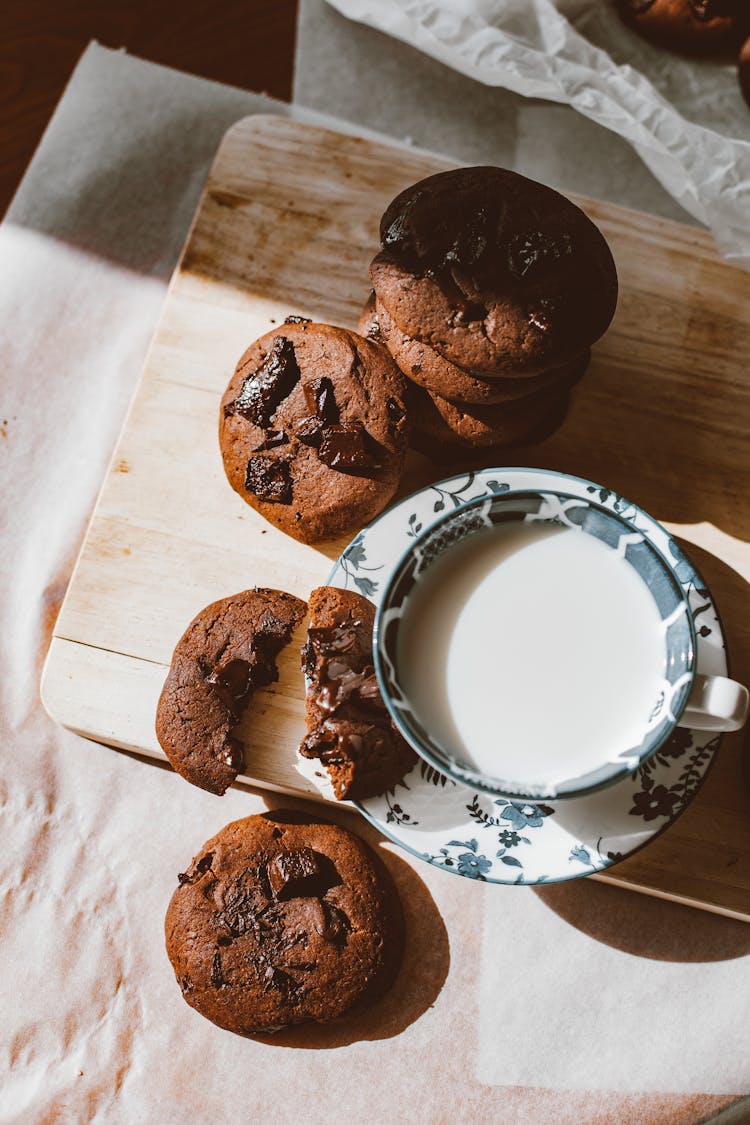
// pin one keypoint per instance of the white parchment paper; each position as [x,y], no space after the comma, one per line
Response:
[686,119]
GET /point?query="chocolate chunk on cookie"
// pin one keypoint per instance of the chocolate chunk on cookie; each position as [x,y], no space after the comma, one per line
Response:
[225,653]
[695,27]
[496,273]
[428,369]
[282,919]
[313,429]
[350,732]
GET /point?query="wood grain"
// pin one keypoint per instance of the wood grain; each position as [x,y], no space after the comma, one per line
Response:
[288,223]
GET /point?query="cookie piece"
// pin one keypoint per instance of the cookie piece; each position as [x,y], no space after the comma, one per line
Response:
[226,652]
[498,274]
[446,431]
[695,27]
[313,429]
[282,919]
[349,728]
[430,370]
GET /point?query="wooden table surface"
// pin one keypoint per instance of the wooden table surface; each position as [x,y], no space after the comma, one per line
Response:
[245,43]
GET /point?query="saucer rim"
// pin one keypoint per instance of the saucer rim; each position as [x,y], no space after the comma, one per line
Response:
[608,863]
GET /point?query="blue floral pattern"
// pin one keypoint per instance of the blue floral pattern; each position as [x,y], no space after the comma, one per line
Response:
[352,564]
[488,838]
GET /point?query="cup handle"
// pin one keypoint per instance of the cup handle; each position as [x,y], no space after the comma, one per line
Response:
[716,703]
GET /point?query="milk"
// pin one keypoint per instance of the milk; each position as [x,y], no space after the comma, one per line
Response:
[532,652]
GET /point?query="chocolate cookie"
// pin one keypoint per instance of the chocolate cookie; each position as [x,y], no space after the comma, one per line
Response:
[350,732]
[313,429]
[226,652]
[696,27]
[281,919]
[446,431]
[498,274]
[430,370]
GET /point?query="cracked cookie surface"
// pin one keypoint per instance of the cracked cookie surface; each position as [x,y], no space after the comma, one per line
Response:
[313,429]
[280,919]
[227,651]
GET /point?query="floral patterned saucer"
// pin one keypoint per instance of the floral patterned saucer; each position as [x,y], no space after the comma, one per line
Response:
[496,839]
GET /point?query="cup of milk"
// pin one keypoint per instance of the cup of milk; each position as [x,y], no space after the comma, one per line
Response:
[536,645]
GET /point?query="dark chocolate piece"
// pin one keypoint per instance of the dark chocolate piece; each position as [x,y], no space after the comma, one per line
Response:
[297,319]
[269,480]
[310,431]
[321,399]
[296,875]
[272,439]
[268,386]
[343,447]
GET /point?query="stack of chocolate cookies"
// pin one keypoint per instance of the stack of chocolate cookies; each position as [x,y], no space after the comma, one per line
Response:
[489,289]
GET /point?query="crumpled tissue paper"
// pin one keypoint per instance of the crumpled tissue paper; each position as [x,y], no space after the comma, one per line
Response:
[685,117]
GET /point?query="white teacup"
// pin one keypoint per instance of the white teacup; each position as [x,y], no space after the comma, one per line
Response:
[533,644]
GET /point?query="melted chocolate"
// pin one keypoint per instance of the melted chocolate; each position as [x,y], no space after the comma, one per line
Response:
[344,684]
[297,874]
[232,682]
[233,755]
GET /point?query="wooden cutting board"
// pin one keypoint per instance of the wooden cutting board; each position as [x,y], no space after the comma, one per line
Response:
[287,224]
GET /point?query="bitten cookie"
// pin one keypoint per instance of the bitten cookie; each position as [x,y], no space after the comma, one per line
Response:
[226,652]
[426,367]
[498,274]
[313,429]
[281,919]
[350,732]
[696,27]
